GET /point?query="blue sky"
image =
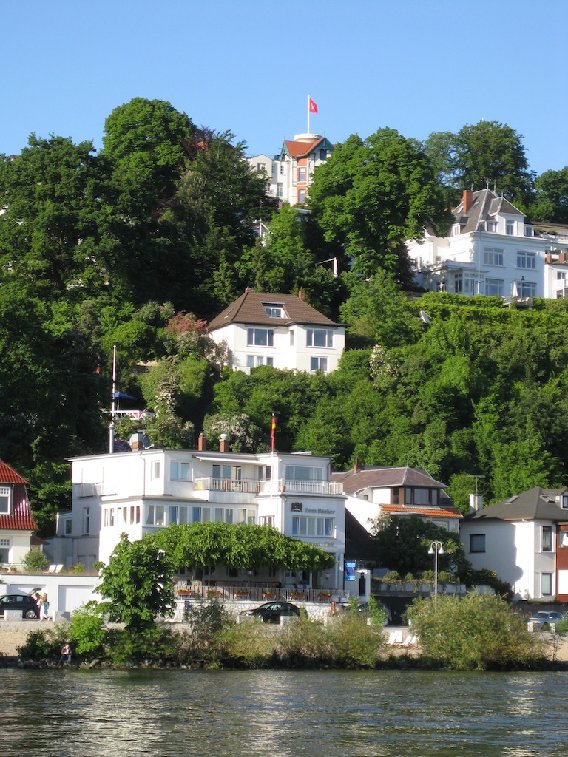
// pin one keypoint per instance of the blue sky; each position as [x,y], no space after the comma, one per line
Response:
[247,66]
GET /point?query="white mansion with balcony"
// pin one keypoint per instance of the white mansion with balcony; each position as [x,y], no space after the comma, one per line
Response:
[144,490]
[281,330]
[493,250]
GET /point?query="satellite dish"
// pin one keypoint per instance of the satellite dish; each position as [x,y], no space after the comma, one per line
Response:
[424,317]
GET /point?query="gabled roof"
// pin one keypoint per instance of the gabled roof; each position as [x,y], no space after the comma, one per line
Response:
[384,478]
[297,148]
[486,205]
[534,504]
[10,476]
[249,309]
[21,518]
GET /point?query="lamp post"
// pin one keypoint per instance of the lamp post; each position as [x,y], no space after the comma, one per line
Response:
[436,548]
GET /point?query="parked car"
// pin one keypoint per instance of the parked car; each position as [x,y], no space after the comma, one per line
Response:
[271,612]
[23,602]
[544,618]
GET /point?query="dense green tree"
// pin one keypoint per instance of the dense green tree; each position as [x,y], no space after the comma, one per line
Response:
[372,195]
[136,585]
[486,154]
[551,197]
[237,546]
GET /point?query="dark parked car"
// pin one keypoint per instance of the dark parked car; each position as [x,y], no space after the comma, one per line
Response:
[22,602]
[271,612]
[544,618]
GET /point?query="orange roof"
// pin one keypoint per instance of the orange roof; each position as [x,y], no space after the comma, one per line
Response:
[297,149]
[21,518]
[428,512]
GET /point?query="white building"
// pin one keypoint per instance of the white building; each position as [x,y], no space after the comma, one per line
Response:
[281,330]
[145,490]
[493,250]
[525,541]
[396,492]
[289,174]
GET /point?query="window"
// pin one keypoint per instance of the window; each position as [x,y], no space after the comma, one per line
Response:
[509,227]
[5,492]
[301,173]
[255,360]
[279,189]
[494,287]
[491,225]
[526,260]
[493,256]
[109,517]
[547,538]
[319,338]
[219,512]
[156,469]
[529,231]
[86,520]
[155,515]
[4,550]
[565,501]
[196,515]
[179,471]
[273,310]
[477,542]
[318,364]
[301,196]
[303,473]
[281,168]
[546,584]
[526,288]
[134,514]
[308,525]
[260,337]
[561,275]
[68,527]
[266,520]
[177,515]
[464,283]
[323,154]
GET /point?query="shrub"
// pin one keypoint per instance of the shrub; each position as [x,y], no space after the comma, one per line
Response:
[478,632]
[44,645]
[354,642]
[35,561]
[157,644]
[87,632]
[248,645]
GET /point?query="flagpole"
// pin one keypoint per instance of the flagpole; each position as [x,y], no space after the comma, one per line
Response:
[112,404]
[308,114]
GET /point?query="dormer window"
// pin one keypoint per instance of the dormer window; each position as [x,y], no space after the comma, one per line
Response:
[509,227]
[273,309]
[5,496]
[565,501]
[529,231]
[491,225]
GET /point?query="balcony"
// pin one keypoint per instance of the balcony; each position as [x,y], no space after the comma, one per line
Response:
[248,486]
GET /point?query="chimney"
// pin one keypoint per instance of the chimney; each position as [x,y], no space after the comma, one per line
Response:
[201,442]
[467,200]
[475,502]
[301,295]
[223,443]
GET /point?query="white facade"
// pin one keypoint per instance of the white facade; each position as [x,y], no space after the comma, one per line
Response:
[143,491]
[492,250]
[289,347]
[514,550]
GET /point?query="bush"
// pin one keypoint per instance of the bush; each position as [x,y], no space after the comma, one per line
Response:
[87,632]
[154,645]
[248,645]
[208,621]
[478,632]
[35,561]
[44,645]
[355,642]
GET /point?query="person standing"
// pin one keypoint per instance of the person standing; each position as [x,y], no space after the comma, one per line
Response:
[44,607]
[65,653]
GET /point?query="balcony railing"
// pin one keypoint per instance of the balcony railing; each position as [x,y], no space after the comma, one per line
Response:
[248,486]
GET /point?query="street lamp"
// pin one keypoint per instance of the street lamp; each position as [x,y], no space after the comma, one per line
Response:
[436,548]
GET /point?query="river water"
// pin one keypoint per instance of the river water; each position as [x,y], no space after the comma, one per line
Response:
[74,713]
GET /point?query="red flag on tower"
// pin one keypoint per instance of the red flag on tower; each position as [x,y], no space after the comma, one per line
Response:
[272,432]
[312,106]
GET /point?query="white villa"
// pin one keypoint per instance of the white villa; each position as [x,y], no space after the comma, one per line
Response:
[493,250]
[525,541]
[144,490]
[399,493]
[281,330]
[289,173]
